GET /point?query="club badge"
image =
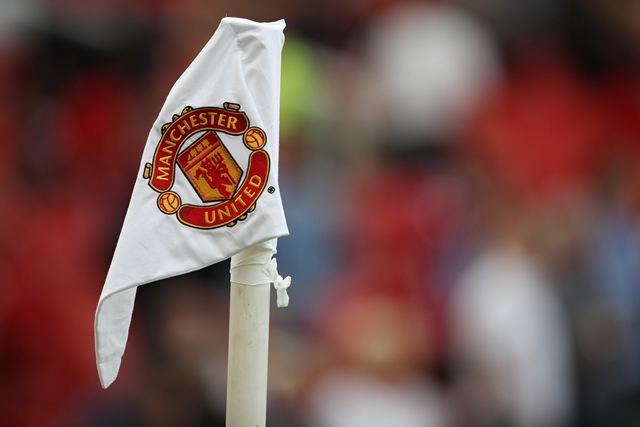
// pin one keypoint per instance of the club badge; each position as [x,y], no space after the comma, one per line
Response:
[209,167]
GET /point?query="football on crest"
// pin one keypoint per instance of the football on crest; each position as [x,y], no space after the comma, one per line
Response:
[169,202]
[254,138]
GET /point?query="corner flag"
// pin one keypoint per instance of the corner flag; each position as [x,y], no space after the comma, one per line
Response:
[207,187]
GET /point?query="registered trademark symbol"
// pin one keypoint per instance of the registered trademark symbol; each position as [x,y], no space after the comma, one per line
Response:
[271,190]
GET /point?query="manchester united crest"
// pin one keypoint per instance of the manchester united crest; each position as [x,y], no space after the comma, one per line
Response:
[192,145]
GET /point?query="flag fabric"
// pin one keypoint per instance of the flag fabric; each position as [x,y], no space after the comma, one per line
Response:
[207,187]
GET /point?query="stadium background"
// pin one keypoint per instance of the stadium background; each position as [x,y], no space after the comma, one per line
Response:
[462,188]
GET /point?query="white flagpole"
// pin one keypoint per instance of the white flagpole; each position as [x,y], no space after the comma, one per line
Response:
[252,272]
[248,355]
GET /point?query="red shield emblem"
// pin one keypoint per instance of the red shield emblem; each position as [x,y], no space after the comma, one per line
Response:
[210,168]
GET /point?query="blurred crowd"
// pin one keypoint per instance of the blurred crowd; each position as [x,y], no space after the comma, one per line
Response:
[461,182]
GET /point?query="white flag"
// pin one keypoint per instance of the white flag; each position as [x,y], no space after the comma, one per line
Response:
[208,181]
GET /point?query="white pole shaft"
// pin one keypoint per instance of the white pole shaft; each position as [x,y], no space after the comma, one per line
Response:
[248,355]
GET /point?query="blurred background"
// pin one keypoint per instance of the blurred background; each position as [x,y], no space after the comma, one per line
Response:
[462,186]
